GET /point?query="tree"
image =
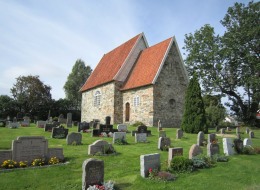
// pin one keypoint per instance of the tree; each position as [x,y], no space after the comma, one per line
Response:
[75,81]
[8,107]
[229,64]
[194,119]
[215,111]
[30,93]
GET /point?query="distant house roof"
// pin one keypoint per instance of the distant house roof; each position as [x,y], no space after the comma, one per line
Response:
[110,64]
[148,65]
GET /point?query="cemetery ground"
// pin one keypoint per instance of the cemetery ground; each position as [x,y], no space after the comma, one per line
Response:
[240,172]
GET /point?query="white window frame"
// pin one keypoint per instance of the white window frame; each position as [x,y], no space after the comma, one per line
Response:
[136,101]
[97,98]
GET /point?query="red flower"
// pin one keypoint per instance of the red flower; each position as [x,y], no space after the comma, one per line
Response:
[150,170]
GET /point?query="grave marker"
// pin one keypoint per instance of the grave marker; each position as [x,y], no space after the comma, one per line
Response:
[69,119]
[74,138]
[119,136]
[247,142]
[195,150]
[178,151]
[93,173]
[140,137]
[164,143]
[59,132]
[179,134]
[149,161]
[200,138]
[228,146]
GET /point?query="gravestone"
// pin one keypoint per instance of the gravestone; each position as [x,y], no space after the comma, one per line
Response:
[69,119]
[228,129]
[107,119]
[149,161]
[164,143]
[122,128]
[99,146]
[237,130]
[13,125]
[179,134]
[247,130]
[178,151]
[238,145]
[162,133]
[222,131]
[251,134]
[119,136]
[247,142]
[228,146]
[211,137]
[55,152]
[48,127]
[74,138]
[195,150]
[61,119]
[41,124]
[200,138]
[142,129]
[29,148]
[140,137]
[5,155]
[14,119]
[83,126]
[59,132]
[212,149]
[159,126]
[93,173]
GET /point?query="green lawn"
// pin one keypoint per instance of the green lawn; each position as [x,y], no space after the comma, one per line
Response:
[241,172]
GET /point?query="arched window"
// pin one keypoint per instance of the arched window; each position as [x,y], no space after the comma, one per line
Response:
[97,98]
[136,101]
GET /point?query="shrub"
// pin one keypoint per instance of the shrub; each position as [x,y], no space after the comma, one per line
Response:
[220,158]
[121,141]
[249,150]
[137,123]
[38,162]
[181,164]
[9,164]
[23,164]
[257,150]
[54,160]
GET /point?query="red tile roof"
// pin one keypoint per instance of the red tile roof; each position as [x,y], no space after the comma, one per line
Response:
[110,64]
[147,66]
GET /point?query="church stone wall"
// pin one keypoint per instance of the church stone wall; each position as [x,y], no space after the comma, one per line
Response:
[106,108]
[169,91]
[142,112]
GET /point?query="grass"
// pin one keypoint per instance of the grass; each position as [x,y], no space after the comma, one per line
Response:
[241,172]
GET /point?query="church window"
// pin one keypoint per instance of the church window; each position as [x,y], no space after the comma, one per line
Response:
[97,98]
[172,103]
[136,101]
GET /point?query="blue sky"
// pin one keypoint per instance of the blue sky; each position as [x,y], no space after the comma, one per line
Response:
[46,37]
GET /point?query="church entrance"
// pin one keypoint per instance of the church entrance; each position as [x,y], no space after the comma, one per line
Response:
[127,111]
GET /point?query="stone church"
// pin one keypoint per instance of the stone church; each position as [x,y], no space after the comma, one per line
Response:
[135,82]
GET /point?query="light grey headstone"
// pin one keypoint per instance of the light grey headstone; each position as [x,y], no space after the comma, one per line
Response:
[212,149]
[119,135]
[228,146]
[200,138]
[222,131]
[251,134]
[69,119]
[28,148]
[164,143]
[159,125]
[195,150]
[93,173]
[55,152]
[149,161]
[122,128]
[41,124]
[13,125]
[247,142]
[140,137]
[98,146]
[179,134]
[74,138]
[247,130]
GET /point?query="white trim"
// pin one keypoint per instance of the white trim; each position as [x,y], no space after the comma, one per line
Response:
[163,60]
[182,62]
[130,53]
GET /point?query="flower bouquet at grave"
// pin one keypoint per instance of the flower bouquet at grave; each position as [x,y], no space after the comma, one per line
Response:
[103,134]
[105,186]
[9,164]
[160,175]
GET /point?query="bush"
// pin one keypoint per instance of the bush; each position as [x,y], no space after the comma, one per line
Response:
[249,150]
[220,158]
[202,162]
[121,141]
[137,123]
[38,162]
[9,164]
[54,160]
[181,164]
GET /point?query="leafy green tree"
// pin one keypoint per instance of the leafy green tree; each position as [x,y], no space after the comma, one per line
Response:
[30,93]
[229,64]
[8,107]
[194,119]
[75,81]
[215,111]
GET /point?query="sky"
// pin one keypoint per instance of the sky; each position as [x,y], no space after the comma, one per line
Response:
[46,37]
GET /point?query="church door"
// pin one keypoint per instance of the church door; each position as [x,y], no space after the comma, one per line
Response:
[127,111]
